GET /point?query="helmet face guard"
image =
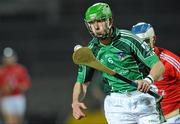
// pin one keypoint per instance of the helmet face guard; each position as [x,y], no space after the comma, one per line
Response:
[107,29]
[99,12]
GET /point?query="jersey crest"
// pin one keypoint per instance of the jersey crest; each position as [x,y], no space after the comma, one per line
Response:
[121,55]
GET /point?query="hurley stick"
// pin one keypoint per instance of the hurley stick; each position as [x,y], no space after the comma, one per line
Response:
[84,56]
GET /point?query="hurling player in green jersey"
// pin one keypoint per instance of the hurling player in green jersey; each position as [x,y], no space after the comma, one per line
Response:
[122,52]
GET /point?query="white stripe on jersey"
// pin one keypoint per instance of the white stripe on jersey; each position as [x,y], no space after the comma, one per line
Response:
[171,60]
[126,33]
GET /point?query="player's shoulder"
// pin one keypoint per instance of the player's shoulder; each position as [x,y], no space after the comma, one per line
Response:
[20,67]
[165,53]
[125,31]
[168,52]
[93,42]
[122,32]
[127,35]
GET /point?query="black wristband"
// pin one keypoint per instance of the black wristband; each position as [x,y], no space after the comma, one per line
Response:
[150,79]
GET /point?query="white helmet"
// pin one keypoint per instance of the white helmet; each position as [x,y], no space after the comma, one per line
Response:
[8,52]
[143,30]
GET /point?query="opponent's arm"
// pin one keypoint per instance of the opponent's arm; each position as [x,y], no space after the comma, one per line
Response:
[79,93]
[147,56]
[154,74]
[157,70]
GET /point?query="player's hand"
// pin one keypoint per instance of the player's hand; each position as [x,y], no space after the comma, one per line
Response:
[143,86]
[77,110]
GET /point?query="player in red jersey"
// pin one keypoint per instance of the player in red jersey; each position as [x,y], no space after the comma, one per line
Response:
[169,83]
[14,82]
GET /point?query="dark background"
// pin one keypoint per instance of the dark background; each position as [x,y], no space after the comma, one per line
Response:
[44,32]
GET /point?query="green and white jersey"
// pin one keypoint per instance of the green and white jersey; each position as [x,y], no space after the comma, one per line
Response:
[123,55]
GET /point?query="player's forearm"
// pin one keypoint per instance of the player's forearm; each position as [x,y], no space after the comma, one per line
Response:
[84,88]
[79,91]
[76,92]
[157,70]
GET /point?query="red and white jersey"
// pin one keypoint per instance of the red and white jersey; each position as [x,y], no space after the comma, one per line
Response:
[14,75]
[169,83]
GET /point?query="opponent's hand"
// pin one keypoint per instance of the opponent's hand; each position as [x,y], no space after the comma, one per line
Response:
[77,110]
[143,86]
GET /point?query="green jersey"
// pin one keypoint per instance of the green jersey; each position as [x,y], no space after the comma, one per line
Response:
[122,55]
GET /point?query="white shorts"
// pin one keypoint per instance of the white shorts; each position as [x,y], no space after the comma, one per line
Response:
[13,105]
[173,120]
[128,108]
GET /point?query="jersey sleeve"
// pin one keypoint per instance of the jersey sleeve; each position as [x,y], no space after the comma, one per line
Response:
[174,72]
[172,64]
[143,52]
[85,73]
[176,67]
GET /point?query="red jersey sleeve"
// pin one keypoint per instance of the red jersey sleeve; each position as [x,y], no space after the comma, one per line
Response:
[173,63]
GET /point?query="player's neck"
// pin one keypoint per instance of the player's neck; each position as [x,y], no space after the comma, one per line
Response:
[106,41]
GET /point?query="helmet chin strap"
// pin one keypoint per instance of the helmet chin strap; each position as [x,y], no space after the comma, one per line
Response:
[154,39]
